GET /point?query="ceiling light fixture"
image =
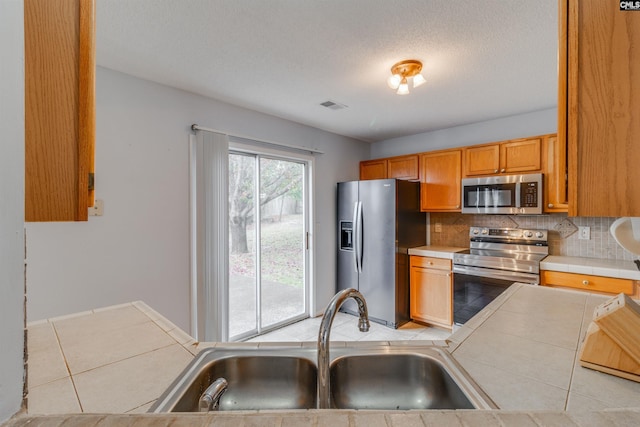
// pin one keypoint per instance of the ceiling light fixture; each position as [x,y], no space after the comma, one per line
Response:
[402,72]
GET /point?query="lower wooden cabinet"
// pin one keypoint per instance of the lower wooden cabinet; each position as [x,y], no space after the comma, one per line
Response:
[431,291]
[589,283]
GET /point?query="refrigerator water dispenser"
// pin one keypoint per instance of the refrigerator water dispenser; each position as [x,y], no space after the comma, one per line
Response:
[346,235]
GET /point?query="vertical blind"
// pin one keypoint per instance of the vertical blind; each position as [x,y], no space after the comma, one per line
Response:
[209,166]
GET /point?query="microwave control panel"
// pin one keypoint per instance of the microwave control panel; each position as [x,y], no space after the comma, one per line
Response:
[529,195]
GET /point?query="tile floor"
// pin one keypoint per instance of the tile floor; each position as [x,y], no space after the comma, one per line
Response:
[120,359]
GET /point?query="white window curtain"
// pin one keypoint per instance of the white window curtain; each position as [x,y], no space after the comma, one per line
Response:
[209,165]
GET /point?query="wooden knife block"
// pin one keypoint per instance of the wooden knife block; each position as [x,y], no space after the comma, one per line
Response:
[612,342]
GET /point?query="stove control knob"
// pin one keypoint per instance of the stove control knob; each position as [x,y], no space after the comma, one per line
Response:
[539,234]
[528,234]
[475,231]
[485,231]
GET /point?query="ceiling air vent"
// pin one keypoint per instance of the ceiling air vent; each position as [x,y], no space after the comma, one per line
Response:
[333,105]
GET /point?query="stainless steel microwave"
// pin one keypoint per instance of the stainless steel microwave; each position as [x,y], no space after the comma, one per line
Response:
[503,194]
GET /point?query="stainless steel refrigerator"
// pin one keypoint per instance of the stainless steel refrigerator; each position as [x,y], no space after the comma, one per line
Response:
[378,221]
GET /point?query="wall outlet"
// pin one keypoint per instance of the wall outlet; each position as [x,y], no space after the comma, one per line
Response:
[584,233]
[97,209]
[438,227]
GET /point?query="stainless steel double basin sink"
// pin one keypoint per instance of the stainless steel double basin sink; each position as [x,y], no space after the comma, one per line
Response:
[284,377]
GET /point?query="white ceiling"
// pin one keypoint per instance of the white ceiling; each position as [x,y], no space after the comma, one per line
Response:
[483,59]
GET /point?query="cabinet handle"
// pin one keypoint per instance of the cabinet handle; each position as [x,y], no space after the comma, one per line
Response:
[550,205]
[495,171]
[457,206]
[585,282]
[503,170]
[429,262]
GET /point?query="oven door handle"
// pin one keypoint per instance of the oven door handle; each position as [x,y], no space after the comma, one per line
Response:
[532,279]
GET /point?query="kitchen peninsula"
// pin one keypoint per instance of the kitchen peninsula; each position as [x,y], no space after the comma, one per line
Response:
[521,349]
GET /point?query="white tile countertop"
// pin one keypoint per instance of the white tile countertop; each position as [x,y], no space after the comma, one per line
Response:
[436,251]
[523,350]
[620,269]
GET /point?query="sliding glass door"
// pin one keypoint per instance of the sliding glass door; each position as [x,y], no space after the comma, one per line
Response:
[268,224]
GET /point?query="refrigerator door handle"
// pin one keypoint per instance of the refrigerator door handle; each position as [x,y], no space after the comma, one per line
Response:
[359,238]
[355,235]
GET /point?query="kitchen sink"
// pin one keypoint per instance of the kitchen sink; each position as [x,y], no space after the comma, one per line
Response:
[255,381]
[395,381]
[282,377]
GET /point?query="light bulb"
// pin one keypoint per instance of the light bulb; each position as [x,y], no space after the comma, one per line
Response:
[403,89]
[418,80]
[394,81]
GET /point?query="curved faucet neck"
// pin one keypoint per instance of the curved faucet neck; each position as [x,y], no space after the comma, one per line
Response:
[324,386]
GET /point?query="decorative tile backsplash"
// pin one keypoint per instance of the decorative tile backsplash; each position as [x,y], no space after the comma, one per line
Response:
[563,236]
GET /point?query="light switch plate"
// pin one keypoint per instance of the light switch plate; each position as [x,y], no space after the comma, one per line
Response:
[438,227]
[97,209]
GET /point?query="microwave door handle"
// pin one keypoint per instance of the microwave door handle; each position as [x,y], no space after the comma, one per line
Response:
[518,187]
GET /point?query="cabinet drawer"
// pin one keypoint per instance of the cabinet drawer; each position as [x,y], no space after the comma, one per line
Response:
[430,262]
[587,283]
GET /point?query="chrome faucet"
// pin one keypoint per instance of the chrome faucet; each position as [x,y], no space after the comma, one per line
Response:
[210,399]
[324,387]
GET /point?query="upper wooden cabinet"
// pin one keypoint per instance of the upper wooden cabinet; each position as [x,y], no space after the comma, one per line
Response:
[516,156]
[373,169]
[554,159]
[59,109]
[440,179]
[599,106]
[401,167]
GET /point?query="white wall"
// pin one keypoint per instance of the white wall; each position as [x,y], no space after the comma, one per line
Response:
[518,126]
[139,249]
[11,207]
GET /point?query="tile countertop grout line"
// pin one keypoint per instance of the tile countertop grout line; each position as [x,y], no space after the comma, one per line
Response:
[576,357]
[165,325]
[510,292]
[66,364]
[183,345]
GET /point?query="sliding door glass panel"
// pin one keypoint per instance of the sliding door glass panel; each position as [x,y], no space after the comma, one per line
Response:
[243,304]
[282,240]
[267,244]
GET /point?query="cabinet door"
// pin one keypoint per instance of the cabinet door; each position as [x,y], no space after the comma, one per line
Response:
[440,179]
[555,174]
[373,169]
[59,109]
[431,296]
[405,167]
[599,106]
[484,160]
[520,156]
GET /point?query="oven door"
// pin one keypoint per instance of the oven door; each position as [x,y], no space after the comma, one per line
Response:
[475,287]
